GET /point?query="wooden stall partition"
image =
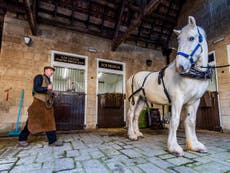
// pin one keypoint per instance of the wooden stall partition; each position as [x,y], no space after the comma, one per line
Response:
[110,110]
[69,110]
[208,112]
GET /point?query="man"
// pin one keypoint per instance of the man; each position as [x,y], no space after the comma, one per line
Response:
[40,114]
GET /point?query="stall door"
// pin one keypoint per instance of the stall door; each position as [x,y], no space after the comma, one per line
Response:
[208,114]
[110,100]
[69,104]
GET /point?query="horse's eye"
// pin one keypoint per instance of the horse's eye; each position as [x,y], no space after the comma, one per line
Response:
[191,38]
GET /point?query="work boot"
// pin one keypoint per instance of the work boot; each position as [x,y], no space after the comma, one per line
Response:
[23,143]
[56,144]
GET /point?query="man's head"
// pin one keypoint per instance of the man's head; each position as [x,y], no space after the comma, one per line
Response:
[49,70]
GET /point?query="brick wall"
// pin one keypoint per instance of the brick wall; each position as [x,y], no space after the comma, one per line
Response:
[19,63]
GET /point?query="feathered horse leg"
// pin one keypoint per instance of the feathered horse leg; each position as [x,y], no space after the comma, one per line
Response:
[173,146]
[138,110]
[192,142]
[131,115]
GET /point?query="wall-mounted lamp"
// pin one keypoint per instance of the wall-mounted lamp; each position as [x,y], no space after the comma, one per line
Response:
[217,40]
[27,40]
[149,62]
[92,49]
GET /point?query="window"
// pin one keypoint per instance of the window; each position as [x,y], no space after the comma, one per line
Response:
[68,79]
[70,72]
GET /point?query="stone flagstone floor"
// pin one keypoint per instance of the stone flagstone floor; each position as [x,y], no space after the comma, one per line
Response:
[110,151]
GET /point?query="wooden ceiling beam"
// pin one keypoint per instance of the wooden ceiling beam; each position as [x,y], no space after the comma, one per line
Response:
[177,16]
[31,15]
[159,43]
[12,7]
[104,3]
[73,9]
[118,24]
[146,11]
[106,33]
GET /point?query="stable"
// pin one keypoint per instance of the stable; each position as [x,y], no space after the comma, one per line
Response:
[95,46]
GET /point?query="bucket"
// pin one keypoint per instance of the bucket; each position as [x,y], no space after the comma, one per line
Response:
[143,119]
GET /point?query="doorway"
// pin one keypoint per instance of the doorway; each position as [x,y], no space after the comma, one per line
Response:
[69,85]
[110,94]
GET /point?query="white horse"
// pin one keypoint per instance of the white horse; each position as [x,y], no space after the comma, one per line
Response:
[185,82]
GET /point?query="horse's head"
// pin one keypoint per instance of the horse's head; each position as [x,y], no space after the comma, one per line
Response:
[191,42]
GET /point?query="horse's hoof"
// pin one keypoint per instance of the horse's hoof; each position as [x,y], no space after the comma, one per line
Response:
[176,151]
[177,154]
[199,147]
[133,138]
[141,136]
[203,151]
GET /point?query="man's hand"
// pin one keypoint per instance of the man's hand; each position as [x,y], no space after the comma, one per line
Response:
[50,87]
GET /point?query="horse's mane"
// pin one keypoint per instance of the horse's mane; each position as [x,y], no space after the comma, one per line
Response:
[202,32]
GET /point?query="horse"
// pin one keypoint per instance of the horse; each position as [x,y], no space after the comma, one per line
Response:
[182,83]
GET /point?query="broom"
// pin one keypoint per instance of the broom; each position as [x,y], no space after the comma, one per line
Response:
[16,132]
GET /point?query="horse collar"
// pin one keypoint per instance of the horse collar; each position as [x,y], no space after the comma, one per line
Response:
[195,73]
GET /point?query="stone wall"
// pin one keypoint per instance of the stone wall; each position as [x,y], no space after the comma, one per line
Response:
[214,17]
[19,63]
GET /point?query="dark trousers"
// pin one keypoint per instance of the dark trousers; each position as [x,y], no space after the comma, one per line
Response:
[51,135]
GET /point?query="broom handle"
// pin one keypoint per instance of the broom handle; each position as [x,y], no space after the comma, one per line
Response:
[20,108]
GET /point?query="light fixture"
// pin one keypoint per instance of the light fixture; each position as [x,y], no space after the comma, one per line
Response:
[149,62]
[218,39]
[92,49]
[27,40]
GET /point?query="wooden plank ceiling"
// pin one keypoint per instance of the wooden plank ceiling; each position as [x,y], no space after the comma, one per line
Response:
[145,23]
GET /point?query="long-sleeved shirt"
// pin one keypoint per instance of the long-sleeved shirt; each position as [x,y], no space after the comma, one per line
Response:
[38,84]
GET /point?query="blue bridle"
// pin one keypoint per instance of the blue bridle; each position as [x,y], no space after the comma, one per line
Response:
[190,56]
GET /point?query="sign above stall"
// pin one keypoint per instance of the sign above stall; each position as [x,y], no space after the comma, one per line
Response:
[109,65]
[69,59]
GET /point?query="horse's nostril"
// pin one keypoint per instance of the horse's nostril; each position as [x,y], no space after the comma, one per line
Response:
[181,68]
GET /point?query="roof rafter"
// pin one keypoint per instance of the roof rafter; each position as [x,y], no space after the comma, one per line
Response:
[12,7]
[146,11]
[124,2]
[31,15]
[148,23]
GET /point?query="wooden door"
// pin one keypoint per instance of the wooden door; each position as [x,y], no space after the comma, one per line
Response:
[110,110]
[69,110]
[208,113]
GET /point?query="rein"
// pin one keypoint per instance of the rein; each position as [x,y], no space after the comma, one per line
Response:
[216,66]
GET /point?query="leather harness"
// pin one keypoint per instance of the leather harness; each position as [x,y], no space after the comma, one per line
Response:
[160,80]
[194,73]
[198,74]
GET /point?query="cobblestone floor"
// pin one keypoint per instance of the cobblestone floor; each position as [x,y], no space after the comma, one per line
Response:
[110,151]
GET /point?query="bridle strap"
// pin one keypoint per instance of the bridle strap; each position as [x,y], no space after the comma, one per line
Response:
[190,57]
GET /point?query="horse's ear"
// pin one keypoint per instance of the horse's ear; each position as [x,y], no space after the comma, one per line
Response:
[191,21]
[177,32]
